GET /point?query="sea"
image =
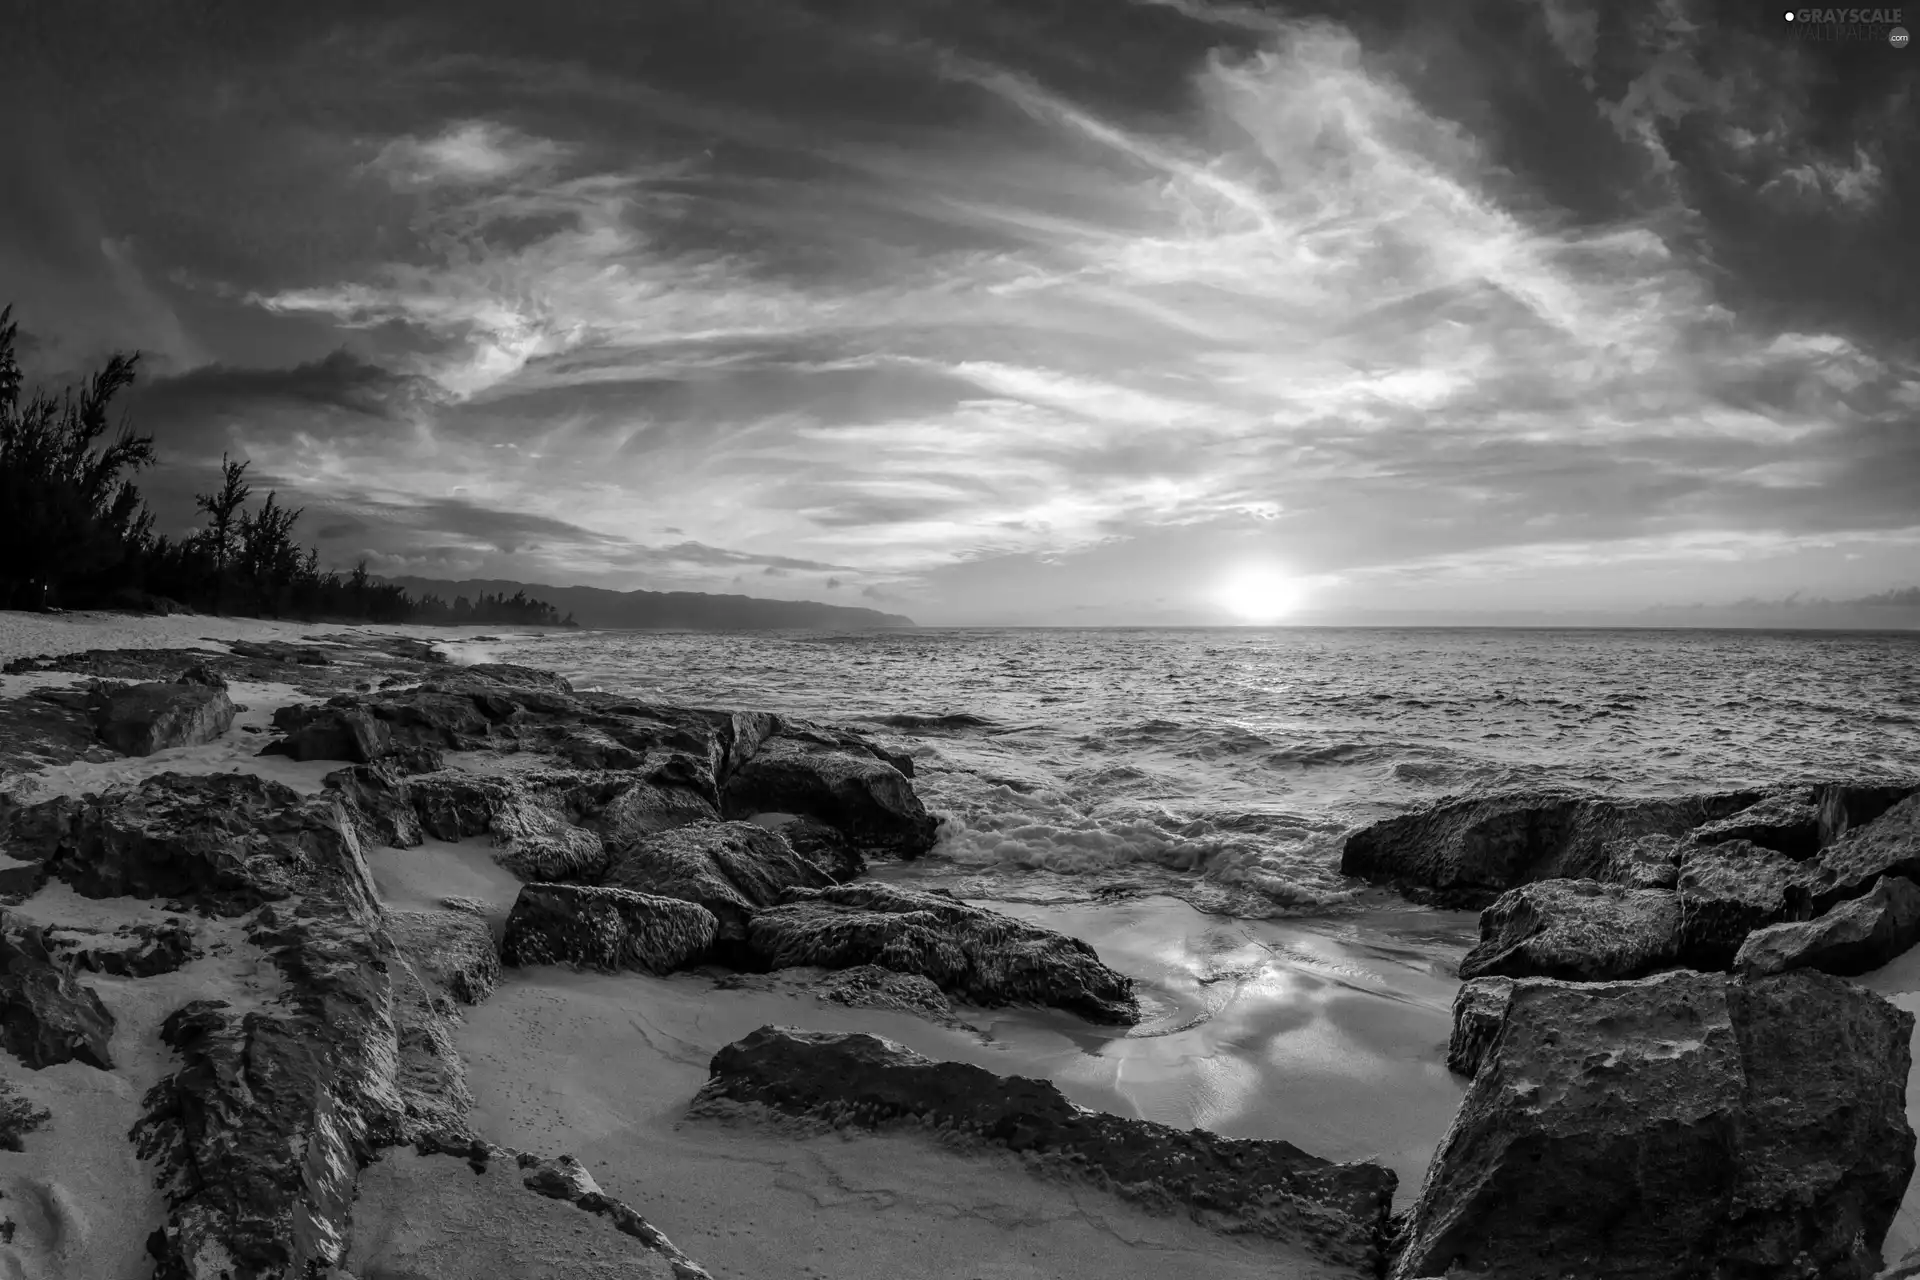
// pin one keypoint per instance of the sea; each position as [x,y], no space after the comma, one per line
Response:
[1178,798]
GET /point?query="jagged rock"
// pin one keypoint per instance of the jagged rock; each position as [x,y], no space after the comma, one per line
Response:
[868,986]
[515,676]
[733,869]
[46,1016]
[1479,1010]
[641,808]
[1644,862]
[1786,822]
[18,1117]
[1268,1188]
[864,797]
[380,804]
[225,842]
[138,720]
[825,847]
[142,949]
[1726,891]
[979,956]
[1577,929]
[330,733]
[281,651]
[1681,1126]
[1846,805]
[1889,845]
[607,929]
[454,948]
[527,818]
[540,846]
[1466,852]
[1853,937]
[202,674]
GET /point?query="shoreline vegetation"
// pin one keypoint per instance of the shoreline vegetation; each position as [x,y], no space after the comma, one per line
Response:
[79,534]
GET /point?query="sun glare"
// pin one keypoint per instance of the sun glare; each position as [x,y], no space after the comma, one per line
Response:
[1260,593]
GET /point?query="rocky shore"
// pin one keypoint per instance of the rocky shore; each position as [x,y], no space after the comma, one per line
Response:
[1671,1075]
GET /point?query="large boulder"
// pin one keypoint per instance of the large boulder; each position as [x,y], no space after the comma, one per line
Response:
[862,795]
[606,929]
[1846,805]
[1681,1126]
[1467,852]
[1853,937]
[46,1016]
[1889,845]
[1787,822]
[1725,892]
[453,948]
[380,803]
[976,955]
[1644,862]
[1581,930]
[733,869]
[1269,1188]
[330,733]
[138,720]
[224,843]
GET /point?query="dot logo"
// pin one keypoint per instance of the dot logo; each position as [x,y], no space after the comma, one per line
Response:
[1897,37]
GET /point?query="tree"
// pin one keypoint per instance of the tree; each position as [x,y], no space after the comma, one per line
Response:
[223,510]
[67,511]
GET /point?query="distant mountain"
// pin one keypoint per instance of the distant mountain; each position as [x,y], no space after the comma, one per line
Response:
[668,610]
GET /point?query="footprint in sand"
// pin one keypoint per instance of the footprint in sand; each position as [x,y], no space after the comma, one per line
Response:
[50,1231]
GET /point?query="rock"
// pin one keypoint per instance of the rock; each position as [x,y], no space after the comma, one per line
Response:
[1644,862]
[825,847]
[330,733]
[380,804]
[138,720]
[733,869]
[515,676]
[1270,1188]
[1685,1125]
[1580,930]
[469,906]
[1786,822]
[606,929]
[527,818]
[454,948]
[865,798]
[202,674]
[1726,891]
[223,842]
[281,651]
[46,1017]
[1889,845]
[540,846]
[1853,937]
[18,1116]
[1479,1010]
[1466,852]
[641,808]
[868,986]
[143,949]
[1846,805]
[979,956]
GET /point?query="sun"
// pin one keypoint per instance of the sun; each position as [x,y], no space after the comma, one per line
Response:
[1260,593]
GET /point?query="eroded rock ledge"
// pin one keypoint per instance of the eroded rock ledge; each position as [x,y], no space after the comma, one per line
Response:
[1268,1188]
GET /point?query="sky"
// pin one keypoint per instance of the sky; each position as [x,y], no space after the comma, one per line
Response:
[1003,311]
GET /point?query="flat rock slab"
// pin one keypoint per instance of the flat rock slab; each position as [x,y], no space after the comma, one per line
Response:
[1682,1126]
[976,955]
[1270,1188]
[1580,930]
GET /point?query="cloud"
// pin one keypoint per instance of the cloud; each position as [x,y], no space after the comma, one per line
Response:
[467,152]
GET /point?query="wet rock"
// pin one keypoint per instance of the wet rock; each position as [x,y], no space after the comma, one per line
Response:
[1787,822]
[1763,1123]
[454,948]
[1467,852]
[1479,1010]
[1889,845]
[605,929]
[225,843]
[142,949]
[1269,1188]
[733,869]
[46,1016]
[1853,937]
[1581,930]
[1725,892]
[138,720]
[864,797]
[18,1116]
[1644,862]
[868,986]
[976,955]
